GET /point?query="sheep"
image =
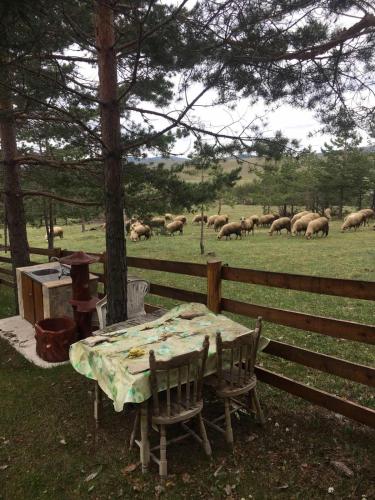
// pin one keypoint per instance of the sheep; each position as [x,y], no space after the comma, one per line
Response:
[368,214]
[198,218]
[220,221]
[327,213]
[211,220]
[266,220]
[302,223]
[353,220]
[247,225]
[168,217]
[181,218]
[231,228]
[138,230]
[317,225]
[173,227]
[299,215]
[279,224]
[57,231]
[255,219]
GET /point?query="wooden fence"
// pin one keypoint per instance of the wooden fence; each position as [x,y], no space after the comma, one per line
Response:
[215,273]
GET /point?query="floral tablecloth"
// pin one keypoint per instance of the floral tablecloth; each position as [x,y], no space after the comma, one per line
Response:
[108,355]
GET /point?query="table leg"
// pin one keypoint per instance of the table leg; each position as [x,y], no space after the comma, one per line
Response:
[98,405]
[145,444]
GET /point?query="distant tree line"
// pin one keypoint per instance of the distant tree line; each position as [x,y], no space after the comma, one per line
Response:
[342,174]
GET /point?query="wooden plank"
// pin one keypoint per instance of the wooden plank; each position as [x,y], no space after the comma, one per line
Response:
[8,260]
[214,285]
[318,397]
[189,268]
[328,364]
[178,293]
[27,298]
[7,283]
[6,271]
[38,301]
[54,252]
[326,326]
[329,286]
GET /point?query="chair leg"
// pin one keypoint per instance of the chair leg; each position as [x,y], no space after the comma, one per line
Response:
[134,431]
[98,405]
[206,443]
[259,411]
[163,454]
[228,422]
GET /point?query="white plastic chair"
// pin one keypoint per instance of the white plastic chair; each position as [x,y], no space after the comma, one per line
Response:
[137,290]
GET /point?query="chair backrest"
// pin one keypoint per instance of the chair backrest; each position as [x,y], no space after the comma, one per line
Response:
[137,290]
[237,357]
[185,372]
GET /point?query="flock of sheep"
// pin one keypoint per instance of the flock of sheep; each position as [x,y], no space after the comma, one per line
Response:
[305,222]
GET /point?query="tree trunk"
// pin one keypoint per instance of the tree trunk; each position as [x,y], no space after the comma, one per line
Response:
[219,208]
[12,187]
[201,241]
[113,178]
[341,202]
[373,200]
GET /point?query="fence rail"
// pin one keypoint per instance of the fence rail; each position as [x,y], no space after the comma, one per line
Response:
[215,272]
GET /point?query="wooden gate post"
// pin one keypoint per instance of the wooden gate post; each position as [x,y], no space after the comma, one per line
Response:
[214,285]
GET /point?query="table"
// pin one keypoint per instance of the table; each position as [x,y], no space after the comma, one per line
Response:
[107,355]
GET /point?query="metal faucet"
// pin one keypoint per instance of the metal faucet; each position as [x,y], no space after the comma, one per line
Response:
[63,270]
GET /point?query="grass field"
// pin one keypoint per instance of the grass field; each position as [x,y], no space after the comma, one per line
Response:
[46,430]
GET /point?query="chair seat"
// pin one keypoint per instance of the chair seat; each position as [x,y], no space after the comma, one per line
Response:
[178,412]
[226,390]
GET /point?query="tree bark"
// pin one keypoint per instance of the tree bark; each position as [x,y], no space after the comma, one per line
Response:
[201,240]
[113,178]
[12,187]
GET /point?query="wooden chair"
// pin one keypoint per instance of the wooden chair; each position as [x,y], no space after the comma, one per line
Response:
[235,377]
[179,404]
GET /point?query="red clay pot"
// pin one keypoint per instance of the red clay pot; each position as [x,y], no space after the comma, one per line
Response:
[53,337]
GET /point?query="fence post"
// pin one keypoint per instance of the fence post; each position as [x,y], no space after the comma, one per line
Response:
[214,285]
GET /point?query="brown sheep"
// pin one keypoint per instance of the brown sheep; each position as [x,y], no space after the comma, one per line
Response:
[317,225]
[247,225]
[211,220]
[255,219]
[175,226]
[57,231]
[198,218]
[181,218]
[279,224]
[302,223]
[168,217]
[368,214]
[299,215]
[327,213]
[266,220]
[355,219]
[138,230]
[220,221]
[231,228]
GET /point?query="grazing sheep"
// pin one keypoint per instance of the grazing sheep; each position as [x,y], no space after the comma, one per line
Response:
[318,225]
[368,214]
[181,218]
[302,223]
[174,227]
[231,228]
[279,224]
[57,231]
[211,220]
[353,220]
[247,225]
[198,218]
[255,219]
[138,230]
[327,213]
[299,215]
[266,220]
[220,221]
[168,217]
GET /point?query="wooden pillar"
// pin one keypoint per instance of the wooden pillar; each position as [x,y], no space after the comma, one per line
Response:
[214,285]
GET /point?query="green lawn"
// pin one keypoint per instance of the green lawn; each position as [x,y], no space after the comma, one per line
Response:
[42,409]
